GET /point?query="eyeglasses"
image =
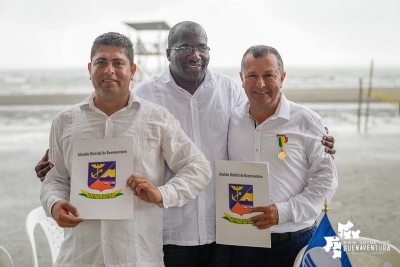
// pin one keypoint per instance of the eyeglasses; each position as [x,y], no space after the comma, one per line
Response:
[187,50]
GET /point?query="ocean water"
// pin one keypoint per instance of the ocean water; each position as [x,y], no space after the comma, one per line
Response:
[332,77]
[77,80]
[35,82]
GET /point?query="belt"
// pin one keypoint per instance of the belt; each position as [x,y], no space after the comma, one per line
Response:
[275,237]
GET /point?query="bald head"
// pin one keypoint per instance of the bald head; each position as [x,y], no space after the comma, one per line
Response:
[178,30]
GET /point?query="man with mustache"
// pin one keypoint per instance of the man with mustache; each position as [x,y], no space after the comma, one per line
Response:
[202,101]
[114,111]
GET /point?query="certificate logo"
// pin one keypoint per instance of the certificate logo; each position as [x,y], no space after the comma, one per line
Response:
[240,198]
[102,175]
[240,202]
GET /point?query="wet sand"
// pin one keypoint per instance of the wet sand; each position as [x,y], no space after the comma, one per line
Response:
[368,168]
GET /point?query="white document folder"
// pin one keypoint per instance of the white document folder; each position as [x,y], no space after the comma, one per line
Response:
[100,169]
[240,186]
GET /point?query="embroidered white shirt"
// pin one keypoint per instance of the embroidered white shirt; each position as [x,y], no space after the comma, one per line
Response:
[204,116]
[157,138]
[299,183]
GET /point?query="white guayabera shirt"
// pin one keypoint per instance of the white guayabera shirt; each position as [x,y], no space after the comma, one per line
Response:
[301,182]
[157,138]
[204,116]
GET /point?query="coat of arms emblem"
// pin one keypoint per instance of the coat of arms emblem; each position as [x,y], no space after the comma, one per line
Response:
[102,175]
[240,198]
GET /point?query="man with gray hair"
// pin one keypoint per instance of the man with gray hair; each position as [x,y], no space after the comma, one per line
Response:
[270,128]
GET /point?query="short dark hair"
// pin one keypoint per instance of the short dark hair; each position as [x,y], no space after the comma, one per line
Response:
[113,39]
[183,26]
[260,51]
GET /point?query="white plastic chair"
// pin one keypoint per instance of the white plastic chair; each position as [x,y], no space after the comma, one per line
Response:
[299,257]
[386,259]
[5,258]
[54,233]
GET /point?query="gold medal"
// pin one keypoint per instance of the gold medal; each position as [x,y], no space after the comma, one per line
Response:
[282,140]
[282,154]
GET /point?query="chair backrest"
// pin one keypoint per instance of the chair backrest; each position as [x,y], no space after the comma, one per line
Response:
[54,233]
[5,258]
[390,258]
[299,257]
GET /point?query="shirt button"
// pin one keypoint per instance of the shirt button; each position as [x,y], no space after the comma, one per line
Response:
[257,149]
[258,129]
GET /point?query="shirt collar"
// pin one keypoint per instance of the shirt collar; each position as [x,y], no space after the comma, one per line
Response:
[166,77]
[282,111]
[89,100]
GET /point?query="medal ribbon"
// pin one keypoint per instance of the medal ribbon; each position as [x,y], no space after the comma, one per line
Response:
[282,140]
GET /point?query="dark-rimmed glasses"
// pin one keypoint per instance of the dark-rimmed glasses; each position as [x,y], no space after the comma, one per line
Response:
[187,50]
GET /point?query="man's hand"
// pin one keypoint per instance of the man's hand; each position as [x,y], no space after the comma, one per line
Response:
[43,167]
[270,217]
[329,142]
[61,213]
[144,189]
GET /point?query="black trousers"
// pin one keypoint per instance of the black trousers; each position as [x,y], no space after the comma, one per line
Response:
[208,255]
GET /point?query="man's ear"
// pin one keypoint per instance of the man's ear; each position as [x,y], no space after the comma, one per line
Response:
[168,51]
[283,75]
[133,70]
[241,78]
[89,66]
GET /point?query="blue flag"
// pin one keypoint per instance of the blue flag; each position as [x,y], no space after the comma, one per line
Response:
[325,249]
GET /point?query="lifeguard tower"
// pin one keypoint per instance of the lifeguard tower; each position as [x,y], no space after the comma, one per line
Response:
[150,42]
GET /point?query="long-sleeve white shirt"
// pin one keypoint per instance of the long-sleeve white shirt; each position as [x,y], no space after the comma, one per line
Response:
[157,138]
[299,183]
[204,116]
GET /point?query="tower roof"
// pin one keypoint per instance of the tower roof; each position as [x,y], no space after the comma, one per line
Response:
[149,26]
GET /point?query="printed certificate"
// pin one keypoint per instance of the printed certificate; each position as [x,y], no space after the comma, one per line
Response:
[239,187]
[100,169]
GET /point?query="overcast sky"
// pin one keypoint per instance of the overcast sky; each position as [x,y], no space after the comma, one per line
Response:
[45,34]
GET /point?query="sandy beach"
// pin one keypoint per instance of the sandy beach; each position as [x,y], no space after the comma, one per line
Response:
[367,164]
